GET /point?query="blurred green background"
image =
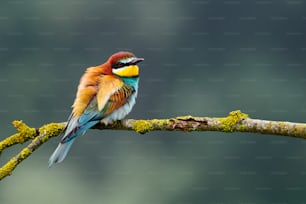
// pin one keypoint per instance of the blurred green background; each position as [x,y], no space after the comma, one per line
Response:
[202,58]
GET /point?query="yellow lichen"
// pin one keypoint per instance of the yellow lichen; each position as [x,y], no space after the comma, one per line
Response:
[243,128]
[142,126]
[25,153]
[160,123]
[19,125]
[51,130]
[300,130]
[8,168]
[228,123]
[269,127]
[25,132]
[9,141]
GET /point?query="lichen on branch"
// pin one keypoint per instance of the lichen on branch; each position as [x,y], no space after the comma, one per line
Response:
[25,133]
[236,121]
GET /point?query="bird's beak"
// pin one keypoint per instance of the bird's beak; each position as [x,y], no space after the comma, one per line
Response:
[136,60]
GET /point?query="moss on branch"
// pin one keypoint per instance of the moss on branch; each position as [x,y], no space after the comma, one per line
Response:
[232,121]
[25,133]
[236,121]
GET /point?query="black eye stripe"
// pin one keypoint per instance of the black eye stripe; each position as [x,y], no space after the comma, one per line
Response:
[120,65]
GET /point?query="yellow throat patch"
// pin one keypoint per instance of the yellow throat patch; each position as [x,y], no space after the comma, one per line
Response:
[128,71]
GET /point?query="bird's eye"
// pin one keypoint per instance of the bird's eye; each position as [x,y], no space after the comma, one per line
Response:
[118,65]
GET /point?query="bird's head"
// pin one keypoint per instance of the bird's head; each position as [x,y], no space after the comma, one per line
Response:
[124,64]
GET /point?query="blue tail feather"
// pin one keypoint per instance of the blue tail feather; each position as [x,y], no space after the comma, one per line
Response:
[60,152]
[64,146]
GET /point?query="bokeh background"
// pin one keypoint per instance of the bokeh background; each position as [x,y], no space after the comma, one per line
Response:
[202,58]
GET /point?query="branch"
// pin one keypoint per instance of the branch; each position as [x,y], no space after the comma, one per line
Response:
[24,134]
[236,121]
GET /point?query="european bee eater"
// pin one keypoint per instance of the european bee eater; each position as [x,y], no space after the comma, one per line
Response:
[106,93]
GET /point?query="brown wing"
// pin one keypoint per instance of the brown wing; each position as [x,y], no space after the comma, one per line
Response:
[118,99]
[109,85]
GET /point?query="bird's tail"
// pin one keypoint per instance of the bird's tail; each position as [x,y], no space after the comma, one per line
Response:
[60,152]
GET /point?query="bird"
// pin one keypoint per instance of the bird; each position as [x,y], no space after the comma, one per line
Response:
[106,93]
